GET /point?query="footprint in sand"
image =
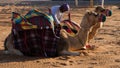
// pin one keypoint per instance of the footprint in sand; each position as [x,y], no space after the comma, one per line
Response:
[118,42]
[59,64]
[63,58]
[79,61]
[114,66]
[93,63]
[117,60]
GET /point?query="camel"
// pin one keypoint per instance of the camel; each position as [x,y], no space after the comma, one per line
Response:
[66,42]
[95,28]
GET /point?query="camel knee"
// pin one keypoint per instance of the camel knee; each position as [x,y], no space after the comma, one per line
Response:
[9,49]
[14,51]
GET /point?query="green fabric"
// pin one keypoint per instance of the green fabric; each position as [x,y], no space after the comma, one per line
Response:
[103,18]
[17,18]
[110,13]
[34,12]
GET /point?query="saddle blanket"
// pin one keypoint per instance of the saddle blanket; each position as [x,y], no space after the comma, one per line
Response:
[34,34]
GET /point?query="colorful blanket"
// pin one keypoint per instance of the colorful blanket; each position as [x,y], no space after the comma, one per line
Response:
[21,22]
[70,27]
[36,42]
[33,34]
[33,19]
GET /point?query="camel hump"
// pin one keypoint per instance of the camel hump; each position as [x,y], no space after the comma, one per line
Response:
[32,20]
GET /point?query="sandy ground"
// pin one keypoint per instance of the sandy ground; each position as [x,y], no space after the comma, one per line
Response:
[106,55]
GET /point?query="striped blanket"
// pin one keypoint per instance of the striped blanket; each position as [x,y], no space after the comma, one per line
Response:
[70,27]
[33,19]
[33,34]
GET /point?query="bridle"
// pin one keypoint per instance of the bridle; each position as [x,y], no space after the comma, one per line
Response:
[102,18]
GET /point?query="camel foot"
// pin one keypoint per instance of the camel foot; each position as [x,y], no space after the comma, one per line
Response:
[89,47]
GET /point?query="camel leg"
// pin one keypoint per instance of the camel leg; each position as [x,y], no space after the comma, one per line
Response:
[91,35]
[63,46]
[94,31]
[68,53]
[9,49]
[13,51]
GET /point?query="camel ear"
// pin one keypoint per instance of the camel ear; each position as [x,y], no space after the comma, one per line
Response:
[88,11]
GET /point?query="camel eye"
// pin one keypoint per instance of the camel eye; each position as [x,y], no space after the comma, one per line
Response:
[103,10]
[89,13]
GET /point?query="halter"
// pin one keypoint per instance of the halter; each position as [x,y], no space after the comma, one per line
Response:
[102,18]
[108,12]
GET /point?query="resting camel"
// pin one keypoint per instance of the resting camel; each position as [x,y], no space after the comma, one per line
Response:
[66,42]
[95,28]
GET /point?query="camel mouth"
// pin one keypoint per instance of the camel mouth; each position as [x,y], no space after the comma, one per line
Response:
[107,12]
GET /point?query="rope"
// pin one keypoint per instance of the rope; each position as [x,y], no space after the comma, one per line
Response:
[69,16]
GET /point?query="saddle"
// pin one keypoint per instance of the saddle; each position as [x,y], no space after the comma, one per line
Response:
[70,27]
[34,34]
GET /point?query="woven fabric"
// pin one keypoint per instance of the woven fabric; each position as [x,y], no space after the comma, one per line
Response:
[40,41]
[108,12]
[32,20]
[70,27]
[21,22]
[36,42]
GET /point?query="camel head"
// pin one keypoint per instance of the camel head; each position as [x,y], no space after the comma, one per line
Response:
[104,11]
[91,18]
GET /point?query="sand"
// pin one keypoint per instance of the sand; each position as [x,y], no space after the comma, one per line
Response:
[106,54]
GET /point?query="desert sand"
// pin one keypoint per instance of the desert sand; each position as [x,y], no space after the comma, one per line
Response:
[105,55]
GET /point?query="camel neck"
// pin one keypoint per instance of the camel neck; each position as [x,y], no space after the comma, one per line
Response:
[85,28]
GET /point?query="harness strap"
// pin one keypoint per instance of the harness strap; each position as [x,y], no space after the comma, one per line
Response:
[69,16]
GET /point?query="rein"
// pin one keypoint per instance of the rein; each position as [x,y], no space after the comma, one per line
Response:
[69,16]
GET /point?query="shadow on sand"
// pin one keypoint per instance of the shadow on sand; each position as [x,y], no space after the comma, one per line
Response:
[5,58]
